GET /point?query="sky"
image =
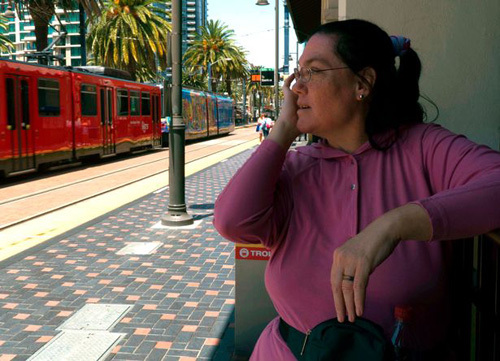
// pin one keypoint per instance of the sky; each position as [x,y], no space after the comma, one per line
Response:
[254,29]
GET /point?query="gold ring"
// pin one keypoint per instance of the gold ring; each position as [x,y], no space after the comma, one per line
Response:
[347,278]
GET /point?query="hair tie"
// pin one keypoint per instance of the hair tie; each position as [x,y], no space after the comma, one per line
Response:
[400,44]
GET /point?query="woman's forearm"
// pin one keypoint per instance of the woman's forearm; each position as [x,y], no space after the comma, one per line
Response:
[408,222]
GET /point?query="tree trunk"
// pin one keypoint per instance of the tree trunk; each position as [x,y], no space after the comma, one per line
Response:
[41,12]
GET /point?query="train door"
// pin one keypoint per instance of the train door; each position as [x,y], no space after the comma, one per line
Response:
[156,120]
[108,141]
[19,122]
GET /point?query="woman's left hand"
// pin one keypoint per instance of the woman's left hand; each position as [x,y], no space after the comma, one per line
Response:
[355,260]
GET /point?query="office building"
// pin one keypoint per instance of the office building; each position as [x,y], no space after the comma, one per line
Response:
[21,30]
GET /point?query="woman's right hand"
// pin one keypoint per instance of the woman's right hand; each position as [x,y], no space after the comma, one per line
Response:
[285,129]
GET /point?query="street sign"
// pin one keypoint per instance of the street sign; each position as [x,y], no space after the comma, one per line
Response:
[255,76]
[267,76]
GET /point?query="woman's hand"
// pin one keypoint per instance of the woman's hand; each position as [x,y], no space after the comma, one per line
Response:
[285,129]
[355,260]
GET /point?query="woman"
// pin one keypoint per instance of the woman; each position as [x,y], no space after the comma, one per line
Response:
[384,190]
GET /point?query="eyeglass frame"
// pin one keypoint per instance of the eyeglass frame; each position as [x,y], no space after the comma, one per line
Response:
[298,77]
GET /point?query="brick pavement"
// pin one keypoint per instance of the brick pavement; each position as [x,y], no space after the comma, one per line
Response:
[182,296]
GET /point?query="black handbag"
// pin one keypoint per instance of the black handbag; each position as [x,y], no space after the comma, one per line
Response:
[362,340]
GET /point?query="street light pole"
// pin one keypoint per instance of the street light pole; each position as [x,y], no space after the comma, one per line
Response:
[177,213]
[209,71]
[276,55]
[209,68]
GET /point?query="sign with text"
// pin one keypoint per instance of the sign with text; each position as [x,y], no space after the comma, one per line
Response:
[255,76]
[267,76]
[252,252]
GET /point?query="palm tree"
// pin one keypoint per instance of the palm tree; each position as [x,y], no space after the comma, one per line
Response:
[193,80]
[5,44]
[216,47]
[41,12]
[131,35]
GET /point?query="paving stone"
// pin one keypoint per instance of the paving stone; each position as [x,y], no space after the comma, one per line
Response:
[83,267]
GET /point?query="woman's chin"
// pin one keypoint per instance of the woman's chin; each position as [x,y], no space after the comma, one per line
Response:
[302,127]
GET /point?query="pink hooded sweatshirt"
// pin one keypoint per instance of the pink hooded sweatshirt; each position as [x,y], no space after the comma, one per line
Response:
[304,203]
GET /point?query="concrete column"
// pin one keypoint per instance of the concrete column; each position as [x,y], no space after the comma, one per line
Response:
[329,11]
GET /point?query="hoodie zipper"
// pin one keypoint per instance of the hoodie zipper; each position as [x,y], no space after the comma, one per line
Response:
[305,341]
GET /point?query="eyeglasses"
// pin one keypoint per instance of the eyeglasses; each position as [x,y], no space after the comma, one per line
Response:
[304,74]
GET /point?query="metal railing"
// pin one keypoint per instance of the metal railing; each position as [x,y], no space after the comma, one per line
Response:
[477,292]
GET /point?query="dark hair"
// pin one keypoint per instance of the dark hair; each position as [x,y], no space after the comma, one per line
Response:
[394,97]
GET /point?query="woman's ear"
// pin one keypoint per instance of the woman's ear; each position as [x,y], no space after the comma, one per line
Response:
[367,78]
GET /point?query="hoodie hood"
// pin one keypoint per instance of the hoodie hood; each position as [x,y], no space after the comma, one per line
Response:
[323,151]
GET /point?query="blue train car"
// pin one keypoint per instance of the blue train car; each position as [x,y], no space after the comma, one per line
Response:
[205,114]
[225,119]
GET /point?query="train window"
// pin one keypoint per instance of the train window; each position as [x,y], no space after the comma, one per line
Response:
[122,101]
[25,102]
[48,97]
[103,108]
[11,104]
[135,103]
[88,94]
[146,101]
[110,107]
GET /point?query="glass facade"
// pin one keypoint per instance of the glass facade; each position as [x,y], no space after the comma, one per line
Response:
[194,15]
[21,30]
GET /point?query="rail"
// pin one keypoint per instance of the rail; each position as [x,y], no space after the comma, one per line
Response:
[477,291]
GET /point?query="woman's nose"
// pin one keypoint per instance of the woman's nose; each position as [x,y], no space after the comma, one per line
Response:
[299,87]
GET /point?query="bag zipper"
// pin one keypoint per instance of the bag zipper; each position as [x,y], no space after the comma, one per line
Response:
[305,341]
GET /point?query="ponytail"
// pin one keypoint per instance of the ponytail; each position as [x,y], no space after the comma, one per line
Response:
[394,97]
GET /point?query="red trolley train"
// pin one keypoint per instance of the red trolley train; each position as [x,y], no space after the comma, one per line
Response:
[50,115]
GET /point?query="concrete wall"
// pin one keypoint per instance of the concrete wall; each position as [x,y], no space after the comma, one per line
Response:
[457,41]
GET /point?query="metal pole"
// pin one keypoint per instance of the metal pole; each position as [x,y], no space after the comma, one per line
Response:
[286,65]
[209,70]
[244,102]
[177,214]
[276,63]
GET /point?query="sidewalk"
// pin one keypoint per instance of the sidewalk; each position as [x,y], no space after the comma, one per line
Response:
[169,297]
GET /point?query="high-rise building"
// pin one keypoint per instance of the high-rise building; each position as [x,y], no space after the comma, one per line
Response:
[21,29]
[21,32]
[194,15]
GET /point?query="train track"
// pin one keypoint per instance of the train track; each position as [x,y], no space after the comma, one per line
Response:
[25,201]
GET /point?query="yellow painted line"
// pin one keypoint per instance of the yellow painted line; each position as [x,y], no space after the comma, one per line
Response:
[17,239]
[249,245]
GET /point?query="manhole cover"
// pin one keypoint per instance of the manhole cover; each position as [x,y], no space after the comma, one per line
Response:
[95,317]
[139,248]
[78,346]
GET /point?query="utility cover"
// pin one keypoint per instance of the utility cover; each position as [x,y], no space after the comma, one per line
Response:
[96,317]
[139,248]
[78,346]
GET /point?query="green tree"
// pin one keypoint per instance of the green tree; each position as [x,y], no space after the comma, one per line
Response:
[193,80]
[131,35]
[5,44]
[215,46]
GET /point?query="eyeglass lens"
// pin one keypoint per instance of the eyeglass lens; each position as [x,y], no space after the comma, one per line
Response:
[302,74]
